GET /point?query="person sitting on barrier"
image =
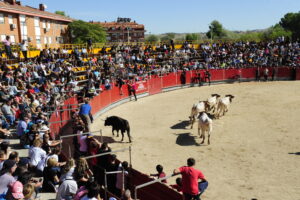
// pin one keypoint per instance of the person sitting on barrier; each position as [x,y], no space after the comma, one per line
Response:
[190,187]
[68,169]
[160,173]
[178,185]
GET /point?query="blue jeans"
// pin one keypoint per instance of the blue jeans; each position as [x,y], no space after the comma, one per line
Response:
[202,187]
[11,119]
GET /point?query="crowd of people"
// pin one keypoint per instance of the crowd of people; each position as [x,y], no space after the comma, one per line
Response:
[33,88]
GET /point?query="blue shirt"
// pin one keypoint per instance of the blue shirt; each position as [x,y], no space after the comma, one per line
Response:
[85,109]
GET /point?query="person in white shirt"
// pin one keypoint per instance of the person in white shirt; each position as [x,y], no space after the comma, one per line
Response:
[37,155]
[24,49]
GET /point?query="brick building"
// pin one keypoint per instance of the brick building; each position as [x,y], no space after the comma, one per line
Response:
[39,27]
[123,30]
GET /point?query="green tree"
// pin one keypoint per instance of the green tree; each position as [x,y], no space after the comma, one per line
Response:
[276,31]
[291,22]
[191,37]
[167,37]
[152,38]
[216,30]
[81,31]
[60,12]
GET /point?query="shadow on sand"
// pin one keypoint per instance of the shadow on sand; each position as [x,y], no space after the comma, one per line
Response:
[295,153]
[186,139]
[181,125]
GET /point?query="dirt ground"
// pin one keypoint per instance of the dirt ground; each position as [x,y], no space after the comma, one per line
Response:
[255,147]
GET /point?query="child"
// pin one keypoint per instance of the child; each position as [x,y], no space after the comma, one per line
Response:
[160,173]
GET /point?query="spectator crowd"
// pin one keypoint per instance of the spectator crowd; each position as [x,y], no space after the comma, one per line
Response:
[33,88]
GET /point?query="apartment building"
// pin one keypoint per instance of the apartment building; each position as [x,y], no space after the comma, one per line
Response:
[123,30]
[35,25]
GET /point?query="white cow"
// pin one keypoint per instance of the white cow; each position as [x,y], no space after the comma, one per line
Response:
[204,126]
[196,109]
[213,102]
[223,105]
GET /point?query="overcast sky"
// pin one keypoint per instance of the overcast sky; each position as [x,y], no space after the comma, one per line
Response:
[180,16]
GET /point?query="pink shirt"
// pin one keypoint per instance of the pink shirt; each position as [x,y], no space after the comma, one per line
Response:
[6,42]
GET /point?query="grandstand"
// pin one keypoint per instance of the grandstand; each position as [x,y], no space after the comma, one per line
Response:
[49,88]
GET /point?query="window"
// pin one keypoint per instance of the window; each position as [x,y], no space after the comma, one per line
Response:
[2,37]
[1,18]
[37,30]
[44,24]
[38,39]
[48,25]
[49,40]
[45,40]
[36,22]
[12,39]
[23,20]
[10,19]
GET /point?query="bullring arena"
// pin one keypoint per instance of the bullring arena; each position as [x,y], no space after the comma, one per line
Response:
[254,151]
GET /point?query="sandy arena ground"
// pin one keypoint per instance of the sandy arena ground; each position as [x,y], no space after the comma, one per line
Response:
[255,147]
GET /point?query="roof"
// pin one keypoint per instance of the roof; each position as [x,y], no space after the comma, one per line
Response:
[26,10]
[122,25]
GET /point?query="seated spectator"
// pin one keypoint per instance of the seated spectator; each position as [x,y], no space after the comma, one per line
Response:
[6,178]
[127,195]
[68,169]
[93,192]
[28,192]
[160,173]
[15,191]
[67,189]
[51,176]
[178,185]
[37,156]
[82,172]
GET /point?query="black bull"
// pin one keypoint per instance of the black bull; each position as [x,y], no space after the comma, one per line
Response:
[118,124]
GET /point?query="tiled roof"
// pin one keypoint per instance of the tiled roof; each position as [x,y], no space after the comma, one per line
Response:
[26,10]
[122,25]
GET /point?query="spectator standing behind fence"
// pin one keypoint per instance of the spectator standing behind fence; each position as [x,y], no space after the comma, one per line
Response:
[132,89]
[160,173]
[266,74]
[207,76]
[85,114]
[89,43]
[7,47]
[190,187]
[24,49]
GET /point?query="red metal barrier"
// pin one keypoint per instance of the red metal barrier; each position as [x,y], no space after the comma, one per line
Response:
[169,80]
[298,74]
[155,85]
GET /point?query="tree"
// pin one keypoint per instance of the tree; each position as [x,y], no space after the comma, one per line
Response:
[152,38]
[60,12]
[81,31]
[275,32]
[167,37]
[216,30]
[291,22]
[191,37]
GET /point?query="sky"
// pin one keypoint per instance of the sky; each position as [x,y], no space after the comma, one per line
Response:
[179,16]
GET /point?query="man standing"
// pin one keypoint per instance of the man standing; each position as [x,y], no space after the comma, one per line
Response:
[7,47]
[190,187]
[85,114]
[207,76]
